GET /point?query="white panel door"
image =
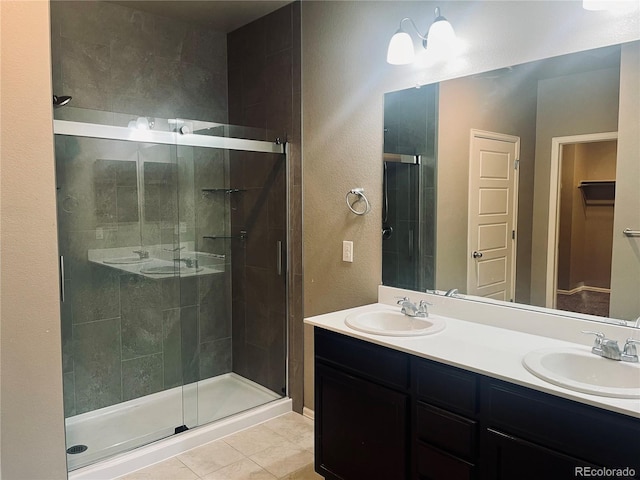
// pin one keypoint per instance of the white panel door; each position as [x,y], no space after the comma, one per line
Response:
[493,200]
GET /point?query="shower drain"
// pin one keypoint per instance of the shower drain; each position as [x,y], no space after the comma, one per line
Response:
[76,449]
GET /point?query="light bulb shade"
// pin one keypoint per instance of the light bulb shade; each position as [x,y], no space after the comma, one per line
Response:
[400,51]
[441,37]
[613,5]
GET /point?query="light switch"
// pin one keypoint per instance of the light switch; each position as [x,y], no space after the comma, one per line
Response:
[347,251]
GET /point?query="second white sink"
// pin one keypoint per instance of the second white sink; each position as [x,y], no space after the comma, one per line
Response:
[169,270]
[580,370]
[127,260]
[394,323]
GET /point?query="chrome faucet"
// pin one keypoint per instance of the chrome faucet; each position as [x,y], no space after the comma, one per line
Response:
[142,253]
[410,309]
[608,348]
[451,292]
[188,262]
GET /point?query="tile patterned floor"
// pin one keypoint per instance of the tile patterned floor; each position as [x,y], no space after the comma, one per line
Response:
[281,448]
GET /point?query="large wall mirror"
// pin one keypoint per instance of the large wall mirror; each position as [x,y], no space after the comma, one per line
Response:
[506,185]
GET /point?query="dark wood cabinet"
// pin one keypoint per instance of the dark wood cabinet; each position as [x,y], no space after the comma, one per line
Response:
[361,409]
[362,430]
[384,414]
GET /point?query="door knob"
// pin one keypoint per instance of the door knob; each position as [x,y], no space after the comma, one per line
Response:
[477,254]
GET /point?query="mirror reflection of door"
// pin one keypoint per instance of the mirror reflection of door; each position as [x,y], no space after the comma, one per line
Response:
[585,226]
[493,202]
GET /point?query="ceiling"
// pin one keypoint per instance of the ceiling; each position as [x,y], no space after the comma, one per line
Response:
[219,15]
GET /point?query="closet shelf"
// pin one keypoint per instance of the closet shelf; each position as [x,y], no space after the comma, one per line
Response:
[598,192]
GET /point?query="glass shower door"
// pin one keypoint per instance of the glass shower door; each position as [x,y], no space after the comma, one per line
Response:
[232,206]
[119,351]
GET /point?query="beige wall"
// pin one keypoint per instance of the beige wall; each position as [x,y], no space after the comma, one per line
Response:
[625,268]
[344,78]
[31,419]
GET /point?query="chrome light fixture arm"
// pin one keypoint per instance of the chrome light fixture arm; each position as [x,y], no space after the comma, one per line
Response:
[424,38]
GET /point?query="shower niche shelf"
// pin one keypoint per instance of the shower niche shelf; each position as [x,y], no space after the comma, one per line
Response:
[598,192]
[228,191]
[241,236]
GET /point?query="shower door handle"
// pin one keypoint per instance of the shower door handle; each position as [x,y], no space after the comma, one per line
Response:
[279,256]
[62,278]
[411,243]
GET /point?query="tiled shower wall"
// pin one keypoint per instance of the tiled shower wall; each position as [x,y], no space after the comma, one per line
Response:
[118,59]
[265,92]
[126,336]
[114,58]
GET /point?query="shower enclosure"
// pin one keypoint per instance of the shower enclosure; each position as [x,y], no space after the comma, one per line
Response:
[173,257]
[409,188]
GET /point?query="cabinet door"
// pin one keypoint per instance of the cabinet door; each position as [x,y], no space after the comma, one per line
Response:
[511,458]
[360,428]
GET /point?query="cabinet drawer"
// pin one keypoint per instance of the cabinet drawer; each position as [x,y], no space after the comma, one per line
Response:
[448,431]
[436,465]
[604,438]
[512,457]
[446,386]
[371,361]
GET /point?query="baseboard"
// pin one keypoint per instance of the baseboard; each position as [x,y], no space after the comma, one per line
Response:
[583,288]
[307,412]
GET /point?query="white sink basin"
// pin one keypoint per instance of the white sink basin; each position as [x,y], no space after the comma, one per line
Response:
[394,323]
[169,270]
[580,370]
[126,260]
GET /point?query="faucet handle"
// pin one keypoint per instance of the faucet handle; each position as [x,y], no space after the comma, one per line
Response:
[630,347]
[401,300]
[599,337]
[422,307]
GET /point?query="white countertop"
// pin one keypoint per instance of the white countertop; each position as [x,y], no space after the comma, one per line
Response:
[488,350]
[159,256]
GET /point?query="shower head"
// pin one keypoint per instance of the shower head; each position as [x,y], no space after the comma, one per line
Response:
[60,101]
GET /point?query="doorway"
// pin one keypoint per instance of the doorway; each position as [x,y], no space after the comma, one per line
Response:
[584,168]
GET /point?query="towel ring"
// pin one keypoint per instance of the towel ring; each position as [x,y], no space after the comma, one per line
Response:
[361,197]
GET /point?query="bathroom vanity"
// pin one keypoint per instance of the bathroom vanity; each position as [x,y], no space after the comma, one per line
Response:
[458,404]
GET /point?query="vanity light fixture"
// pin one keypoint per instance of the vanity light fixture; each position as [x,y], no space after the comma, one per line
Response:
[438,40]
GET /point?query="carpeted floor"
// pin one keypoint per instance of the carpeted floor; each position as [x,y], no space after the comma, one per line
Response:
[593,303]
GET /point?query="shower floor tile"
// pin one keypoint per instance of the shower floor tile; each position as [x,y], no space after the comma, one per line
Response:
[281,448]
